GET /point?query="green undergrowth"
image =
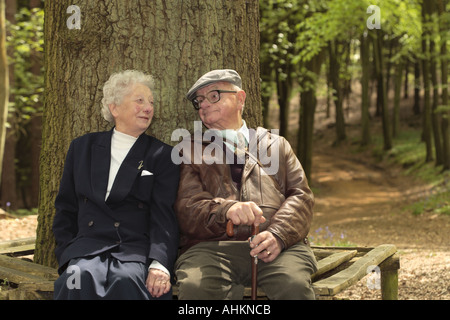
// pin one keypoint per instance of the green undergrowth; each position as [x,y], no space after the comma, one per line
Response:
[409,153]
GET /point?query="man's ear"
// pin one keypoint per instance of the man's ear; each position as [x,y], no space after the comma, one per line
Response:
[241,96]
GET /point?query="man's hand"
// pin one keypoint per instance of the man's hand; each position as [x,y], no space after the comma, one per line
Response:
[158,283]
[245,213]
[266,246]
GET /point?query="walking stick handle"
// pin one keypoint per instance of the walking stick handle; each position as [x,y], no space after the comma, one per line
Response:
[230,228]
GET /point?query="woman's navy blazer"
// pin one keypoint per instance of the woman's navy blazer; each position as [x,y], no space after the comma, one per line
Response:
[137,221]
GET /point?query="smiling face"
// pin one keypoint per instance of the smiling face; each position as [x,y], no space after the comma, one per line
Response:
[225,113]
[134,115]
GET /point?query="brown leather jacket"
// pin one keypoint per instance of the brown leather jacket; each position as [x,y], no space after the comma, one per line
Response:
[206,192]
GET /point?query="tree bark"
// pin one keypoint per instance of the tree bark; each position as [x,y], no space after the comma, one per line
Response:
[174,41]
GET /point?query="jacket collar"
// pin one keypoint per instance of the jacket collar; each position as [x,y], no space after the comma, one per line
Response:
[131,167]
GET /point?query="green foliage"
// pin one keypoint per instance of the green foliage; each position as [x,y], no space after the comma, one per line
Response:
[330,20]
[277,22]
[410,154]
[26,41]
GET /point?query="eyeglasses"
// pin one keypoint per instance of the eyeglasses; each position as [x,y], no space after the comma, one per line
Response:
[212,97]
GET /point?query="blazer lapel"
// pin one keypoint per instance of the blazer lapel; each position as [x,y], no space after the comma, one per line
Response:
[131,168]
[100,163]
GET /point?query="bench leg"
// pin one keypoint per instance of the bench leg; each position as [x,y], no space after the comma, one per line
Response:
[389,278]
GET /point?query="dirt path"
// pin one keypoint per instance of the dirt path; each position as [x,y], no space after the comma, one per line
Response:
[366,204]
[363,204]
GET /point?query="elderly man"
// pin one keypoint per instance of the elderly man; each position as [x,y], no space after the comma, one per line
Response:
[213,264]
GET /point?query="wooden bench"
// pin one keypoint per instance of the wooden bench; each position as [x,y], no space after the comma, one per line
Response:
[18,248]
[339,268]
[22,279]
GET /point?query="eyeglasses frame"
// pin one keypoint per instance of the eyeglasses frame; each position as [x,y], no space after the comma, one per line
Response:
[197,104]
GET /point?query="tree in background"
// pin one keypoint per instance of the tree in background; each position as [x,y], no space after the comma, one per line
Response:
[20,178]
[379,54]
[4,83]
[174,41]
[444,107]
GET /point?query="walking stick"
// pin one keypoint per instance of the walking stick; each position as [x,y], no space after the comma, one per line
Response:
[254,260]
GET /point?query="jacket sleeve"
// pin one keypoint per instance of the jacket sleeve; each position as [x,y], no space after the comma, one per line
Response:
[201,215]
[292,221]
[66,204]
[164,231]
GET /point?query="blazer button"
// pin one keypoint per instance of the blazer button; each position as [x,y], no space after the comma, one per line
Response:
[91,223]
[140,205]
[116,224]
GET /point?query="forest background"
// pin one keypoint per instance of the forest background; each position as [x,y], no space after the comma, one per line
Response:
[330,51]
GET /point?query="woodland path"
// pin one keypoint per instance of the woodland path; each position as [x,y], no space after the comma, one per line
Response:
[363,203]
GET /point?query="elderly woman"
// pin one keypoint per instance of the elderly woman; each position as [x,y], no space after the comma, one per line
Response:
[115,228]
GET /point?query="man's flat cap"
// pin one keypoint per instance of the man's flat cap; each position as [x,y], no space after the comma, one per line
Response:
[213,76]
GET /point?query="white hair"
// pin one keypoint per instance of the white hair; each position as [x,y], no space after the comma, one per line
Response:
[119,85]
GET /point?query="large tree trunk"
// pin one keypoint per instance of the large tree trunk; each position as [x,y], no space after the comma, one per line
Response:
[175,41]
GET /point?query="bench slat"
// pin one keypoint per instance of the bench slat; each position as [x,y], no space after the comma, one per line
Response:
[24,250]
[349,276]
[31,268]
[332,261]
[19,247]
[18,242]
[17,276]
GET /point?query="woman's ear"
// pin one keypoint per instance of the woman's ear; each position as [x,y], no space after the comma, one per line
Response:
[113,109]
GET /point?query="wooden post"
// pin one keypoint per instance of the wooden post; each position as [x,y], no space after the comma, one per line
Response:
[389,278]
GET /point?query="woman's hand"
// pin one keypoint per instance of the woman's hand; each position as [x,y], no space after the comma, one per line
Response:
[158,282]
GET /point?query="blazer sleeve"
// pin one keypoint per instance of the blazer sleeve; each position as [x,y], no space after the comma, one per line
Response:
[65,222]
[163,223]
